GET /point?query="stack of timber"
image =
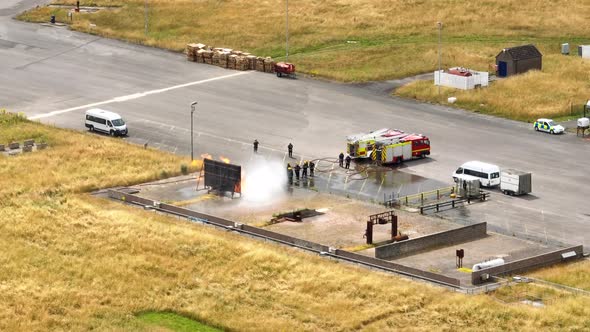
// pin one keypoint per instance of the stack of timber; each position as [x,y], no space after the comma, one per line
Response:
[228,58]
[269,65]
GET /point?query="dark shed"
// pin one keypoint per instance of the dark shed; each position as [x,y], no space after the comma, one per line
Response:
[519,59]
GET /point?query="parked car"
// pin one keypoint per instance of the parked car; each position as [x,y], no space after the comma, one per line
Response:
[548,126]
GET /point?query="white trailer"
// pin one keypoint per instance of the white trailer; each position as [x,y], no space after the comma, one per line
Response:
[514,182]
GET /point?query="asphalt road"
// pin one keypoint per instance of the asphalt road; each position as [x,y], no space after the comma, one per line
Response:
[54,75]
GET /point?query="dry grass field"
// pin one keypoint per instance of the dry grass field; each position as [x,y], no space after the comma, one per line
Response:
[574,275]
[72,262]
[365,40]
[550,93]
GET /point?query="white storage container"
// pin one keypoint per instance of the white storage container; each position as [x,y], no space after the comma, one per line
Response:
[584,122]
[514,182]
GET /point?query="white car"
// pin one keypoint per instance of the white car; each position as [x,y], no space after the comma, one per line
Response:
[548,126]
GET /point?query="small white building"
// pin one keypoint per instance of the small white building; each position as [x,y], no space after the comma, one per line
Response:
[461,78]
[584,51]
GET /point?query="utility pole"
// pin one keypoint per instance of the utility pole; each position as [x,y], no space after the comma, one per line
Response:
[145,20]
[287,20]
[193,104]
[440,24]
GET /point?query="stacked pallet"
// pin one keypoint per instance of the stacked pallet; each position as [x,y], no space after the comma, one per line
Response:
[223,59]
[192,49]
[269,65]
[200,58]
[259,63]
[215,58]
[207,57]
[228,58]
[231,63]
[251,62]
[242,63]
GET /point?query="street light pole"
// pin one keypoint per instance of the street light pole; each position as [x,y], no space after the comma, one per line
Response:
[440,24]
[193,104]
[145,19]
[287,20]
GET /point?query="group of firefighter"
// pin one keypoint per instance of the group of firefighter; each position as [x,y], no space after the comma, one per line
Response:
[301,171]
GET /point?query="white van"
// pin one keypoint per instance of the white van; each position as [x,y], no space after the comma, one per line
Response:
[487,174]
[106,122]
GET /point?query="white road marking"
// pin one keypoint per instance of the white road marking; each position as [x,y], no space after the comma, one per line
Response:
[381,185]
[132,96]
[363,186]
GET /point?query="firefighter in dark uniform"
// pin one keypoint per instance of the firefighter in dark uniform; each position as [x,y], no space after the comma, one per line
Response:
[290,173]
[348,162]
[311,168]
[297,170]
[305,166]
[290,148]
[341,159]
[255,146]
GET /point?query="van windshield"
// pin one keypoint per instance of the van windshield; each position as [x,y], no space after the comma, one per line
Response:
[118,122]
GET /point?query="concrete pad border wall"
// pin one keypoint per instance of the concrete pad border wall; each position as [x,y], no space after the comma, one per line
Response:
[445,238]
[323,249]
[526,264]
[400,268]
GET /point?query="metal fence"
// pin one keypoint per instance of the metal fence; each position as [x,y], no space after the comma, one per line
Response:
[420,199]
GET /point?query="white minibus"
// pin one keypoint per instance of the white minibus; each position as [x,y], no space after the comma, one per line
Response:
[106,122]
[487,174]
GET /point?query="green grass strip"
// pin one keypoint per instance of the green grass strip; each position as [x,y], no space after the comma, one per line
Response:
[175,322]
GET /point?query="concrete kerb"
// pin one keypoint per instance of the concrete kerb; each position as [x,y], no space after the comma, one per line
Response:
[282,239]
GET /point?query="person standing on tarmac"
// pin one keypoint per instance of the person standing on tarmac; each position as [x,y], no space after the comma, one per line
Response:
[255,146]
[348,162]
[290,148]
[311,168]
[341,159]
[305,166]
[297,170]
[290,173]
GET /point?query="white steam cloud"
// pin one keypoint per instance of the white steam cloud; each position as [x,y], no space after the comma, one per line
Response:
[265,181]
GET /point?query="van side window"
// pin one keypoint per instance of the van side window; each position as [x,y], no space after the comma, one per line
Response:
[109,124]
[476,173]
[459,171]
[495,175]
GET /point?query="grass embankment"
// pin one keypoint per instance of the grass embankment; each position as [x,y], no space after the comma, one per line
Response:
[71,261]
[574,275]
[364,40]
